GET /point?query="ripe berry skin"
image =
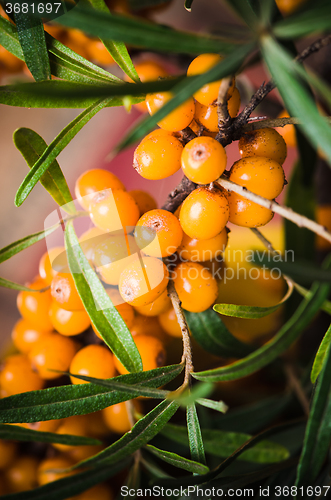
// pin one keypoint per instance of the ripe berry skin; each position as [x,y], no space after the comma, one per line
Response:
[52,262]
[93,181]
[98,492]
[25,335]
[247,213]
[113,255]
[34,306]
[288,131]
[144,200]
[177,119]
[48,467]
[114,210]
[207,115]
[265,142]
[89,240]
[208,94]
[52,353]
[22,475]
[93,361]
[68,323]
[125,310]
[203,160]
[204,213]
[97,52]
[203,250]
[169,322]
[262,176]
[147,72]
[142,285]
[155,308]
[18,376]
[64,292]
[148,325]
[116,417]
[152,353]
[8,451]
[158,155]
[197,289]
[158,233]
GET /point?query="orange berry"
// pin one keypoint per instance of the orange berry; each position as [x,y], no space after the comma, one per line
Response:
[262,176]
[34,306]
[79,453]
[77,41]
[158,155]
[323,217]
[203,160]
[207,115]
[8,451]
[25,335]
[208,93]
[156,307]
[22,475]
[148,325]
[116,417]
[266,142]
[247,213]
[97,52]
[234,103]
[55,31]
[92,361]
[54,352]
[203,250]
[113,254]
[89,240]
[114,210]
[196,287]
[18,376]
[144,200]
[147,71]
[98,492]
[93,181]
[10,62]
[158,233]
[204,213]
[68,323]
[143,281]
[65,294]
[49,470]
[44,426]
[177,119]
[288,131]
[169,322]
[152,352]
[76,425]
[287,7]
[95,425]
[52,262]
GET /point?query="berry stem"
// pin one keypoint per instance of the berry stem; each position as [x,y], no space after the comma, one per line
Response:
[274,122]
[178,195]
[295,385]
[285,212]
[187,351]
[222,104]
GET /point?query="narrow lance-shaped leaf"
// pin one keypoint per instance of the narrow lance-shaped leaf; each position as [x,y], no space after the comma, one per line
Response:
[31,145]
[31,35]
[18,433]
[246,11]
[117,50]
[214,405]
[251,312]
[320,356]
[326,306]
[54,149]
[178,461]
[318,431]
[140,434]
[189,396]
[289,332]
[16,286]
[80,399]
[99,307]
[315,16]
[194,435]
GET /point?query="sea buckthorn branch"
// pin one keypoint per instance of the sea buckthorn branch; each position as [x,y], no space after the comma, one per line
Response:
[187,351]
[187,135]
[178,195]
[296,387]
[287,213]
[224,118]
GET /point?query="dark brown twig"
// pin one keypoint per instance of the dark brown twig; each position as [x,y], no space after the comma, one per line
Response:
[178,195]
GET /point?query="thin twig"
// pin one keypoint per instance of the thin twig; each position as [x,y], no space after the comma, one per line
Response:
[222,103]
[264,240]
[287,213]
[187,352]
[296,387]
[274,122]
[178,195]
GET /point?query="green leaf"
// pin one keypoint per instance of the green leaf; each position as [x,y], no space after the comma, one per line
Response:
[104,315]
[142,33]
[251,312]
[194,435]
[288,333]
[247,11]
[80,399]
[18,433]
[214,405]
[210,332]
[69,487]
[320,356]
[19,245]
[318,431]
[188,5]
[315,17]
[297,100]
[189,396]
[326,306]
[186,89]
[117,50]
[223,444]
[31,35]
[143,431]
[31,145]
[178,461]
[54,149]
[16,286]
